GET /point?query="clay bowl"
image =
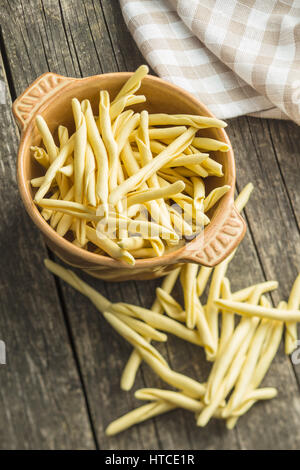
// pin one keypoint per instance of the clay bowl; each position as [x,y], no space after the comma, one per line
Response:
[50,95]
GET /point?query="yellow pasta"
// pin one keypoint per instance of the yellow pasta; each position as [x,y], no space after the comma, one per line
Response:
[185,120]
[154,194]
[68,276]
[258,311]
[193,169]
[180,225]
[37,182]
[108,245]
[243,197]
[212,167]
[126,129]
[138,416]
[61,221]
[188,281]
[90,177]
[132,243]
[147,252]
[41,156]
[244,294]
[67,170]
[134,83]
[227,326]
[189,386]
[202,279]
[100,153]
[168,176]
[180,400]
[269,352]
[108,160]
[248,368]
[63,135]
[118,106]
[189,161]
[214,196]
[172,308]
[135,359]
[144,173]
[142,328]
[205,143]
[209,410]
[199,192]
[219,273]
[132,337]
[202,326]
[51,148]
[158,321]
[54,167]
[120,121]
[47,213]
[79,150]
[224,358]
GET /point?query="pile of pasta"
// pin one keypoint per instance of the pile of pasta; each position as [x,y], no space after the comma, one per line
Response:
[241,346]
[121,162]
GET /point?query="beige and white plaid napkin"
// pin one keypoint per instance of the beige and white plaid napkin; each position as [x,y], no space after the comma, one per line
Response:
[237,57]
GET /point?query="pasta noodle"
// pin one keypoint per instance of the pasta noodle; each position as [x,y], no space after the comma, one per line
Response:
[172,308]
[202,279]
[132,337]
[41,156]
[214,196]
[243,353]
[227,326]
[100,153]
[138,416]
[135,359]
[53,168]
[153,166]
[52,150]
[189,386]
[188,280]
[108,138]
[158,321]
[185,120]
[131,167]
[134,83]
[205,143]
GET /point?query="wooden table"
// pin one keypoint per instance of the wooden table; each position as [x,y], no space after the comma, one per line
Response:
[60,387]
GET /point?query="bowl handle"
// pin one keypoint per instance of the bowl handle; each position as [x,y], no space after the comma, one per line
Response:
[214,248]
[27,104]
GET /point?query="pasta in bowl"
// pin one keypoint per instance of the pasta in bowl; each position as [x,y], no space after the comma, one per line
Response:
[126,175]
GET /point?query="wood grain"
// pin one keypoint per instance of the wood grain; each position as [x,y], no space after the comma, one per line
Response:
[78,38]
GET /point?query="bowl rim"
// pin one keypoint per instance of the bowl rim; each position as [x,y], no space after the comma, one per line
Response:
[223,208]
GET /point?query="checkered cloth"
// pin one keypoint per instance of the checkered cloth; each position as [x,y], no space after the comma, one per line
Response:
[237,57]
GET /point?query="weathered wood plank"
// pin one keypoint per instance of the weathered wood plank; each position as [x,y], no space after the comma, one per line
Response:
[42,404]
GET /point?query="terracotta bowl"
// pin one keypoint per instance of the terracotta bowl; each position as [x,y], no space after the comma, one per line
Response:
[50,95]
